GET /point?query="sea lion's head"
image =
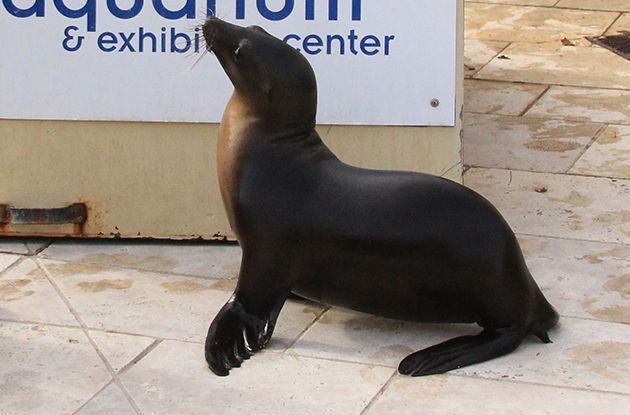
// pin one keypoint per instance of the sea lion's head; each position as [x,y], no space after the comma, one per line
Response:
[273,78]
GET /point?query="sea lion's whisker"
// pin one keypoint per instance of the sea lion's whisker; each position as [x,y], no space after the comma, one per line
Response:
[204,53]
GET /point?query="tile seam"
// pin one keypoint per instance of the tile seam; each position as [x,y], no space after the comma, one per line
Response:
[307,328]
[15,253]
[594,320]
[140,356]
[39,323]
[476,77]
[482,77]
[535,101]
[352,362]
[85,330]
[596,137]
[99,330]
[616,179]
[540,42]
[570,239]
[378,394]
[544,118]
[550,117]
[519,82]
[544,385]
[567,118]
[14,264]
[145,270]
[554,6]
[476,72]
[93,397]
[615,20]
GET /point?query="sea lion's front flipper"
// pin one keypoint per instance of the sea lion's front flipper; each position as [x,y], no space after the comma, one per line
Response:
[245,323]
[235,334]
[461,351]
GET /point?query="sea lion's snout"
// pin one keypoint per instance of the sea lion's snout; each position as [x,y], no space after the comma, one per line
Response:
[220,34]
[209,29]
[273,77]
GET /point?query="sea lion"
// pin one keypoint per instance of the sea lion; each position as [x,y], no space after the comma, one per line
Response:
[396,244]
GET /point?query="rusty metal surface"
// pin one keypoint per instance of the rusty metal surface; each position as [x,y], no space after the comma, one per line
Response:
[73,214]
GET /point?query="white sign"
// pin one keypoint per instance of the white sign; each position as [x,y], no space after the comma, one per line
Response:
[377,62]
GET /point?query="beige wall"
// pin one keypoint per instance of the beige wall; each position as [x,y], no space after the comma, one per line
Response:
[158,179]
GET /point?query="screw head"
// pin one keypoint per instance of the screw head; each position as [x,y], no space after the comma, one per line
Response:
[435,102]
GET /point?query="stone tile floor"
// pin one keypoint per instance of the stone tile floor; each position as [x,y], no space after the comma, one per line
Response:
[114,327]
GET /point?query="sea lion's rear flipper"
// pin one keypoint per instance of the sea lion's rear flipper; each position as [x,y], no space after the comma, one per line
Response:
[461,351]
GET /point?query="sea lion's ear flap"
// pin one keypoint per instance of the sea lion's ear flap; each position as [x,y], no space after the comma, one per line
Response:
[258,29]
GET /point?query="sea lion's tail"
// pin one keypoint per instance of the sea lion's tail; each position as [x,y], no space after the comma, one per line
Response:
[546,317]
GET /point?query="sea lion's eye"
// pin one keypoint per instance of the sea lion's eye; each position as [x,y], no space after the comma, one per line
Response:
[238,52]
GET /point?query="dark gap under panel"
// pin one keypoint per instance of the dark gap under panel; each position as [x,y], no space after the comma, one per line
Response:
[620,44]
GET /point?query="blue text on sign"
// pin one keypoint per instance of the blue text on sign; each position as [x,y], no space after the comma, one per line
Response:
[188,10]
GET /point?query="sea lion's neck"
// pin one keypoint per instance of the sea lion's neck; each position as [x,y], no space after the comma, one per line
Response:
[238,120]
[244,134]
[235,126]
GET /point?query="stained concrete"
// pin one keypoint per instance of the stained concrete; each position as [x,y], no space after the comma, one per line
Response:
[523,143]
[503,98]
[555,63]
[615,5]
[611,106]
[533,24]
[609,155]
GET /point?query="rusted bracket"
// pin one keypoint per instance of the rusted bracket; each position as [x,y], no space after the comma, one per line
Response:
[75,213]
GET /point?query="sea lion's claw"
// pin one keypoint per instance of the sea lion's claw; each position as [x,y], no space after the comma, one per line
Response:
[219,371]
[233,337]
[232,357]
[240,349]
[216,363]
[247,348]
